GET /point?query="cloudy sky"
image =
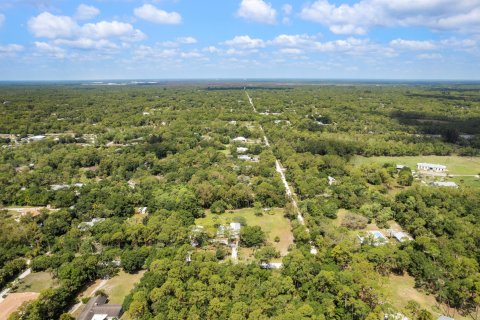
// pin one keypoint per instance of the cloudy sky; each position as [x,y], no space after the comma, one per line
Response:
[120,39]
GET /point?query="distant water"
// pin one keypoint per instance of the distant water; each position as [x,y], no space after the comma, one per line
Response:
[243,82]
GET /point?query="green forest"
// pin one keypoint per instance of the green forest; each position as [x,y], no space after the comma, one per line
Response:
[185,183]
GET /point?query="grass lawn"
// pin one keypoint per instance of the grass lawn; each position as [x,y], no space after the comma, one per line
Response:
[118,287]
[19,211]
[337,222]
[273,223]
[36,282]
[455,164]
[466,181]
[89,289]
[401,289]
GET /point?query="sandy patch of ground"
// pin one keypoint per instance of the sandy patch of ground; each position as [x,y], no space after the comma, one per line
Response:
[13,301]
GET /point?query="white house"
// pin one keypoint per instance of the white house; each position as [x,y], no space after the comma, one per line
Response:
[56,187]
[88,224]
[37,138]
[331,180]
[235,228]
[431,167]
[245,157]
[242,150]
[248,158]
[271,265]
[449,184]
[400,236]
[240,139]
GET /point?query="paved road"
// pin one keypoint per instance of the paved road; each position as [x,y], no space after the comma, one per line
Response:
[464,175]
[235,251]
[24,274]
[288,191]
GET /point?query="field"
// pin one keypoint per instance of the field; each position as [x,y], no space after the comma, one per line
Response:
[18,212]
[401,289]
[466,181]
[273,223]
[14,301]
[120,286]
[117,288]
[36,282]
[455,164]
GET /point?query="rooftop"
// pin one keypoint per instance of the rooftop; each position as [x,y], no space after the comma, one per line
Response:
[431,165]
[97,309]
[450,184]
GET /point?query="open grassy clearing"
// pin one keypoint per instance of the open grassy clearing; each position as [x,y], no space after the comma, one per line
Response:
[118,287]
[455,164]
[272,222]
[466,181]
[17,212]
[401,289]
[36,282]
[14,301]
[89,289]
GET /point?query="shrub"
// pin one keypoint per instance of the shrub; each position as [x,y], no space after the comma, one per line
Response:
[354,221]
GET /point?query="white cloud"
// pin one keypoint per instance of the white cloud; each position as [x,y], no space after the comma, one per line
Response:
[86,12]
[87,44]
[50,26]
[429,56]
[302,43]
[459,44]
[240,52]
[412,44]
[47,25]
[10,49]
[179,41]
[357,18]
[2,20]
[293,51]
[211,49]
[245,42]
[287,9]
[66,35]
[186,40]
[257,11]
[150,13]
[50,50]
[191,54]
[114,29]
[149,52]
[143,52]
[296,40]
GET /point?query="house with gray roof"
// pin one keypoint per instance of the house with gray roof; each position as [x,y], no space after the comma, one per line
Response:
[98,309]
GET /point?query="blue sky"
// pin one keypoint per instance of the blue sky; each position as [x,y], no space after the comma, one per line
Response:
[158,39]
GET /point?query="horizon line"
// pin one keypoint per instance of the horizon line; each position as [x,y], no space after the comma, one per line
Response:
[261,79]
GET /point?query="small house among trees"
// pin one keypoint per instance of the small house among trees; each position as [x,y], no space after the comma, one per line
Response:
[98,309]
[431,167]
